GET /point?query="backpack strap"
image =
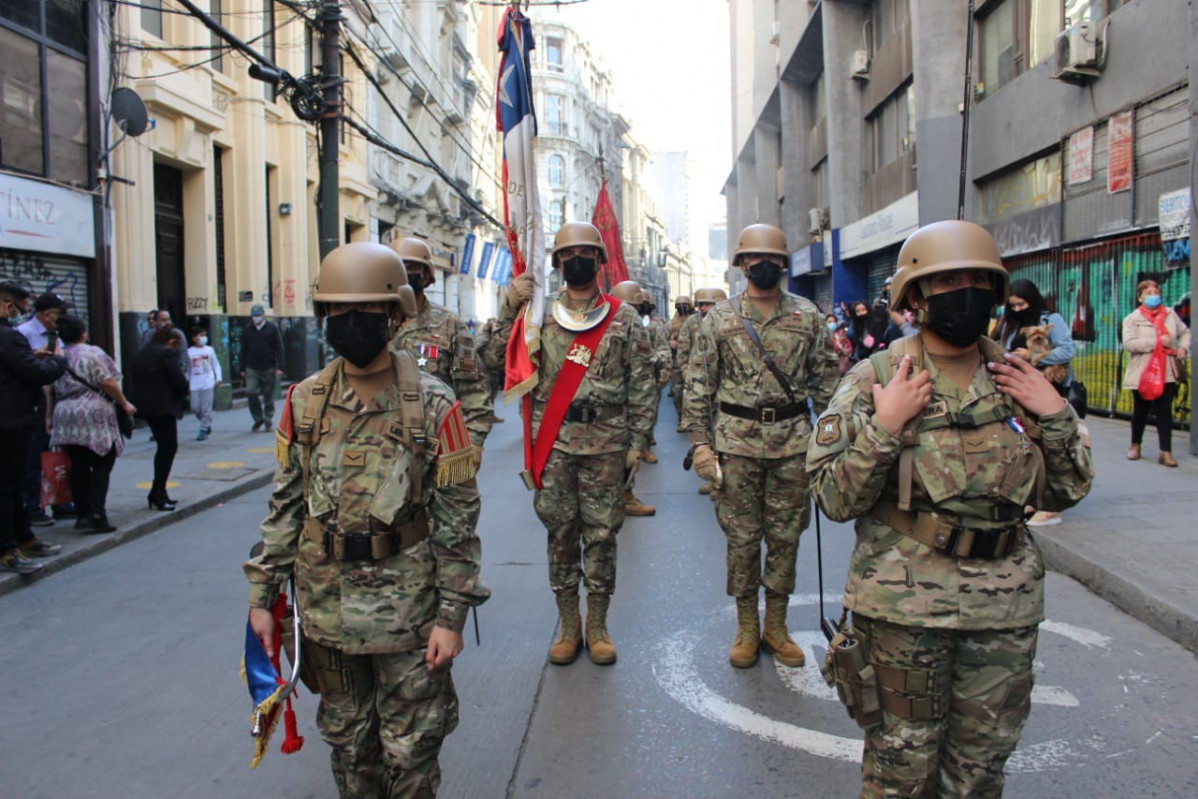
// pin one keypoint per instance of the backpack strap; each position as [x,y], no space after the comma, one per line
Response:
[886,363]
[411,410]
[311,425]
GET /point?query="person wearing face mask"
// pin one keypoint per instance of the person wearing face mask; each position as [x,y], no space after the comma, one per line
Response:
[442,344]
[373,514]
[757,362]
[936,447]
[705,300]
[262,360]
[683,309]
[841,344]
[659,340]
[1152,326]
[590,413]
[629,292]
[204,378]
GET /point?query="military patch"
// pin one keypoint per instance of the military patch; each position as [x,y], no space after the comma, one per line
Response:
[283,434]
[455,453]
[829,430]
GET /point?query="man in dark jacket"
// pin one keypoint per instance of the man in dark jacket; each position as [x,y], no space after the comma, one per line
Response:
[23,372]
[262,366]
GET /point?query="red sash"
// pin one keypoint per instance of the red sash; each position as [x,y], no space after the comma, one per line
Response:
[578,359]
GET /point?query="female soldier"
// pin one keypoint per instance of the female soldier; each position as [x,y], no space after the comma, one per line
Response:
[935,447]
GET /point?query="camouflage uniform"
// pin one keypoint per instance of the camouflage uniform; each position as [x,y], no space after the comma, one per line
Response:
[580,502]
[764,494]
[491,356]
[968,624]
[368,621]
[443,347]
[678,369]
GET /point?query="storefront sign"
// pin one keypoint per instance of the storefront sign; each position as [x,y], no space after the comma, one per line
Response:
[45,218]
[1119,144]
[807,260]
[1081,156]
[1173,213]
[892,224]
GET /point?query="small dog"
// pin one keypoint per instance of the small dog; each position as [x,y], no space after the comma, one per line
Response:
[1039,345]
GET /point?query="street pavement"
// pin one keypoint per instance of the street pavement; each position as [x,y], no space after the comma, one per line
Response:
[1132,541]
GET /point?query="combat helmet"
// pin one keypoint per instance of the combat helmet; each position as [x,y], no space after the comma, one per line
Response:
[760,238]
[416,251]
[362,271]
[683,300]
[646,299]
[628,291]
[712,295]
[943,247]
[577,234]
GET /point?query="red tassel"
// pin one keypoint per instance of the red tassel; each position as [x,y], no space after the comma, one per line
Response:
[292,741]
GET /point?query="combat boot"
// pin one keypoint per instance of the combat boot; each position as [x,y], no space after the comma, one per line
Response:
[776,638]
[569,635]
[647,455]
[603,651]
[707,488]
[634,507]
[748,633]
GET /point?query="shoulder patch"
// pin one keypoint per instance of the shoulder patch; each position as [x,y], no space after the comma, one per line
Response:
[455,454]
[829,430]
[284,433]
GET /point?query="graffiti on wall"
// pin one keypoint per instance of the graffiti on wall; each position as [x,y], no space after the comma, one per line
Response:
[41,274]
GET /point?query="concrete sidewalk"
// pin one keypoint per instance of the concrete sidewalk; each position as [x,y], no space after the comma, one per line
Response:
[1132,541]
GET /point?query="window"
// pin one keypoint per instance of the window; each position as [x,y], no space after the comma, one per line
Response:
[555,115]
[218,60]
[892,127]
[887,17]
[556,214]
[151,17]
[268,43]
[553,53]
[557,171]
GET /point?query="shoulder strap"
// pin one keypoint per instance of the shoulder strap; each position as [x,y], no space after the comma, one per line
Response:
[779,375]
[311,425]
[411,409]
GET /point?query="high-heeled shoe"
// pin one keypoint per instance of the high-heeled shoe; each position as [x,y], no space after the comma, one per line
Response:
[159,503]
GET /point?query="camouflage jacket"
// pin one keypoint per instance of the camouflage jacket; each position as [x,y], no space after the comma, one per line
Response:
[659,339]
[675,325]
[360,479]
[687,335]
[620,373]
[443,347]
[959,473]
[725,366]
[488,353]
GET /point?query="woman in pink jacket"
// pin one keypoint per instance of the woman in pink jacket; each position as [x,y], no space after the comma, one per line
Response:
[1148,324]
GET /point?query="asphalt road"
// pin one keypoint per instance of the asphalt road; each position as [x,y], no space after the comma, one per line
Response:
[122,675]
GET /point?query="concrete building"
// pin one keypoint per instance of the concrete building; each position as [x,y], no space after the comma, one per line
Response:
[1079,152]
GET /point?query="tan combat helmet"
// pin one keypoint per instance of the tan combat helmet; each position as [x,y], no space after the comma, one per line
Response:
[416,251]
[577,234]
[362,271]
[943,247]
[760,238]
[682,300]
[628,291]
[647,299]
[709,295]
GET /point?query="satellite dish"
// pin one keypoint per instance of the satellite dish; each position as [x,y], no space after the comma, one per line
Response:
[129,112]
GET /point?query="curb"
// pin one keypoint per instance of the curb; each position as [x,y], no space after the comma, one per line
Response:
[102,543]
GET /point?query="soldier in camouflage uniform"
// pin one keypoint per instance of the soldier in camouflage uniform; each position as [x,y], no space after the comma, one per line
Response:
[374,513]
[597,445]
[936,448]
[705,300]
[443,345]
[629,292]
[682,310]
[747,412]
[492,360]
[659,340]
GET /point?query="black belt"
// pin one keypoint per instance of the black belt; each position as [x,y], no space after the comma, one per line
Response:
[764,415]
[592,413]
[368,546]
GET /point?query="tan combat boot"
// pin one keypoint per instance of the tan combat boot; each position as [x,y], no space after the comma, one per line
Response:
[776,638]
[634,507]
[603,651]
[743,654]
[569,635]
[707,488]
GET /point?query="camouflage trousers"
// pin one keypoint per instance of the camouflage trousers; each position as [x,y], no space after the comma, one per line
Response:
[386,729]
[678,384]
[581,504]
[981,698]
[763,498]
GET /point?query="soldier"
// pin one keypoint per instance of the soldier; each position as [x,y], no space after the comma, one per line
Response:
[936,447]
[492,360]
[590,412]
[758,359]
[682,309]
[443,345]
[705,300]
[659,339]
[374,511]
[629,292]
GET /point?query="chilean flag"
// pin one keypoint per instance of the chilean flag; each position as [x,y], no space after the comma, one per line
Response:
[522,205]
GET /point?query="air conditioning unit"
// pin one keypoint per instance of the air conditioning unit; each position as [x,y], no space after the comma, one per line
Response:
[860,64]
[1079,53]
[817,221]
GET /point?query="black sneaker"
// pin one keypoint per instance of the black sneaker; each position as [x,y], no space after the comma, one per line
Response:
[257,426]
[14,561]
[40,519]
[37,548]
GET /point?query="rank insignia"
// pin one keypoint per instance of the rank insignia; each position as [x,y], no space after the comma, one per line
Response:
[829,430]
[580,355]
[426,352]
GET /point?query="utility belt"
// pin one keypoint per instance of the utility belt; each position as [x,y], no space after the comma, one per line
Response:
[586,414]
[375,545]
[953,538]
[322,668]
[764,415]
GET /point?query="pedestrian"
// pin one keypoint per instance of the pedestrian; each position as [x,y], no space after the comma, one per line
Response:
[659,341]
[629,293]
[41,331]
[935,447]
[590,419]
[151,326]
[373,515]
[840,343]
[163,319]
[683,308]
[23,373]
[759,358]
[1151,332]
[261,366]
[688,337]
[443,346]
[85,424]
[159,389]
[862,333]
[205,378]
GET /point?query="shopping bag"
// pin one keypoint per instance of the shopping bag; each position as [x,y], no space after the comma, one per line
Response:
[1152,382]
[56,478]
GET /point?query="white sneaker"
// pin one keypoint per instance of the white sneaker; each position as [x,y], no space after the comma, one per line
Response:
[1044,519]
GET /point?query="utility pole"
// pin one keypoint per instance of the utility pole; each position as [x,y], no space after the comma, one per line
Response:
[329,222]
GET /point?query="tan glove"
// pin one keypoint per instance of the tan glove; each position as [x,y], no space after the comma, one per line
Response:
[519,291]
[707,465]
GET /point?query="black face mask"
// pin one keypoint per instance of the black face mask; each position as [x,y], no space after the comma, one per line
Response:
[579,271]
[961,317]
[765,274]
[416,281]
[1025,317]
[358,336]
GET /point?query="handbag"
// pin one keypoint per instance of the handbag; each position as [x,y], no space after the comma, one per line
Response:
[124,422]
[1078,398]
[56,478]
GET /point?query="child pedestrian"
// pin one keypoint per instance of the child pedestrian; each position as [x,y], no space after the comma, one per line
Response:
[205,377]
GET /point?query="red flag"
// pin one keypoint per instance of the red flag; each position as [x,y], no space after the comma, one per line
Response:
[604,218]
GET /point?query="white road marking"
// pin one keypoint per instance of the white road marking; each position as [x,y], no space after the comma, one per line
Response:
[1080,635]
